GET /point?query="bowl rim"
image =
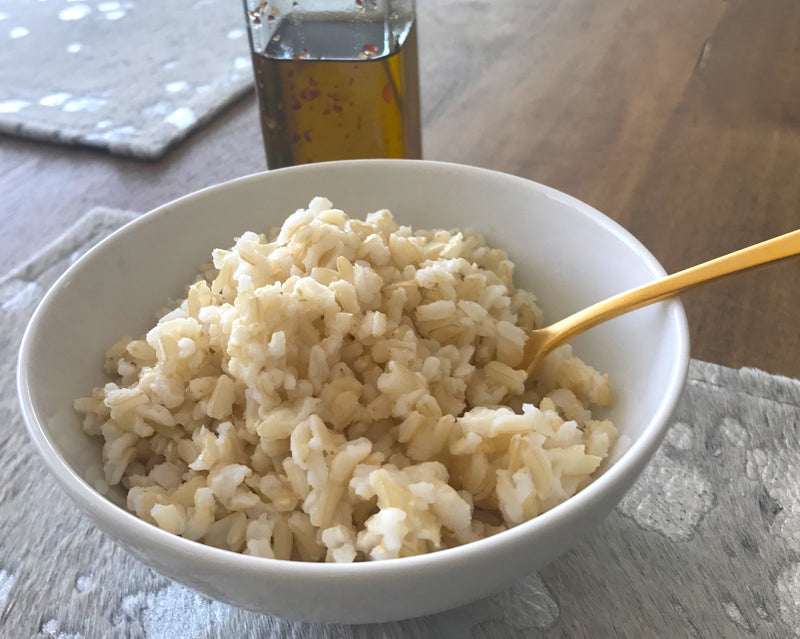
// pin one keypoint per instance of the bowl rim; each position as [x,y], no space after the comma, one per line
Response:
[631,461]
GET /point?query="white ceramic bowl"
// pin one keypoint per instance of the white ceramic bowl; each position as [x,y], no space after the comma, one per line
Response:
[569,254]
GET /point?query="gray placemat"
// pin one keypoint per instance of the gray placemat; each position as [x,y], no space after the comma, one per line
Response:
[707,544]
[131,77]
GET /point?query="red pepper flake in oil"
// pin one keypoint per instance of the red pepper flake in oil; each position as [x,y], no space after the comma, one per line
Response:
[368,51]
[255,14]
[309,94]
[387,94]
[307,135]
[337,108]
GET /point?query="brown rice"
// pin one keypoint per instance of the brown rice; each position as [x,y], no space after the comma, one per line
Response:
[346,390]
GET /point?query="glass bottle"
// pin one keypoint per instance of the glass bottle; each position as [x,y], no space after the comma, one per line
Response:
[336,79]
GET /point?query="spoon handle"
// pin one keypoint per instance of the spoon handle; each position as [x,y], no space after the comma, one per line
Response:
[778,248]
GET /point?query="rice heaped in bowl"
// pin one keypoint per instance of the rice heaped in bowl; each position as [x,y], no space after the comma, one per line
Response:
[346,390]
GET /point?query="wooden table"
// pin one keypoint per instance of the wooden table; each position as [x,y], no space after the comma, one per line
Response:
[680,120]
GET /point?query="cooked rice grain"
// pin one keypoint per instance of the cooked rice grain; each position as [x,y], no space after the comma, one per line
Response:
[337,392]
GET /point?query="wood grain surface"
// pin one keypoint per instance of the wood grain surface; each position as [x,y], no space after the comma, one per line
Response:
[680,120]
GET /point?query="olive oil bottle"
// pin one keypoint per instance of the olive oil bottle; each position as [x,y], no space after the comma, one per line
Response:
[336,85]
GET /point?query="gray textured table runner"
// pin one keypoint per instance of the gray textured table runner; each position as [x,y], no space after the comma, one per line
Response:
[131,77]
[707,544]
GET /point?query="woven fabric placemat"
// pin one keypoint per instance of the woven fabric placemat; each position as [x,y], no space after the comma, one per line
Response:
[706,544]
[131,77]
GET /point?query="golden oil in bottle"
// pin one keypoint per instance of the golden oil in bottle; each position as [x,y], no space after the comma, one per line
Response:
[334,88]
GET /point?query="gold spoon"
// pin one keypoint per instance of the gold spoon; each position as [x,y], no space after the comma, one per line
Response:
[543,340]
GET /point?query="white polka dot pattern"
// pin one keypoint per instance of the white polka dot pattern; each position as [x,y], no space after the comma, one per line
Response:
[66,66]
